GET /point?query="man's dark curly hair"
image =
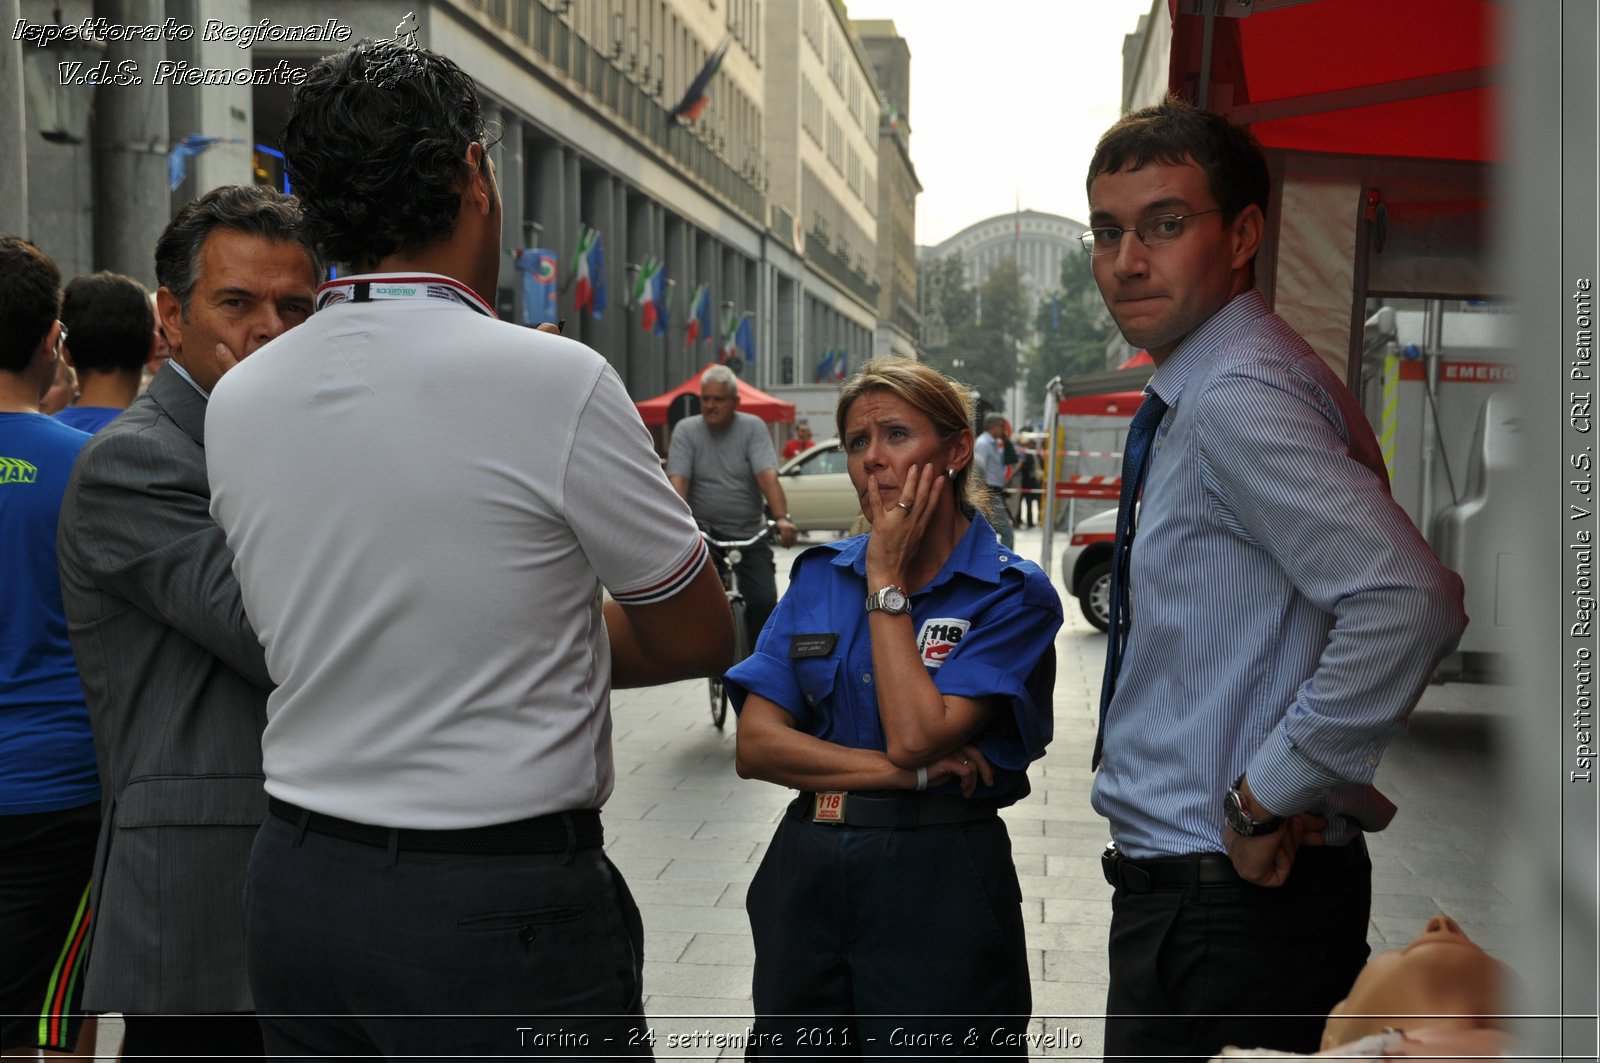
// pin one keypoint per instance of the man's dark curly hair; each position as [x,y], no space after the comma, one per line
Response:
[1175,131]
[30,299]
[109,323]
[375,145]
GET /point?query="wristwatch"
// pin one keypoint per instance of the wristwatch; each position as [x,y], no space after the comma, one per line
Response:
[1241,821]
[890,599]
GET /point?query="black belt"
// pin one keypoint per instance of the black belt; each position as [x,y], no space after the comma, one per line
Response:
[902,811]
[1157,874]
[557,832]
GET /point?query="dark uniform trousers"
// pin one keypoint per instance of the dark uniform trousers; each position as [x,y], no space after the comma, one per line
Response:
[1195,969]
[883,941]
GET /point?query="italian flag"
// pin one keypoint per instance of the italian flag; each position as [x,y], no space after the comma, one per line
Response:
[584,297]
[644,293]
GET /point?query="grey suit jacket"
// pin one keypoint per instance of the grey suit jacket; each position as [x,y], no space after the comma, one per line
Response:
[177,688]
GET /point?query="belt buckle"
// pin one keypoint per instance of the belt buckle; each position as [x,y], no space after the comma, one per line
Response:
[1110,865]
[828,806]
[1121,874]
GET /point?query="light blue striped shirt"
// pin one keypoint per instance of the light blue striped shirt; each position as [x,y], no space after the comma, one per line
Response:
[1286,612]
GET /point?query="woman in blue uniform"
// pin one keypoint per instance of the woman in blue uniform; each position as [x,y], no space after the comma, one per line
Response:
[903,685]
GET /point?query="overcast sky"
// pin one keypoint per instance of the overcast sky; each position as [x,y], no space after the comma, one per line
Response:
[1037,80]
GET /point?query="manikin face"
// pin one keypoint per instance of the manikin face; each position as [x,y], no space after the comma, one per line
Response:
[1158,295]
[1442,973]
[885,436]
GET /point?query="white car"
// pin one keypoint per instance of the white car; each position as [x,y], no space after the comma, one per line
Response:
[1086,566]
[818,489]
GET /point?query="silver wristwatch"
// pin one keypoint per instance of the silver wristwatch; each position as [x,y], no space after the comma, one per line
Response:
[1240,820]
[890,599]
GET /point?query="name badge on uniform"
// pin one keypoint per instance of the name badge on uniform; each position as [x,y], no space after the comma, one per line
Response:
[819,645]
[828,807]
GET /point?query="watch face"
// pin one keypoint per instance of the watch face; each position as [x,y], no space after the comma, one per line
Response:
[893,600]
[1240,822]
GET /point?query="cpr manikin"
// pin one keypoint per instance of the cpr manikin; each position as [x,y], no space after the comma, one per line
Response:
[1438,997]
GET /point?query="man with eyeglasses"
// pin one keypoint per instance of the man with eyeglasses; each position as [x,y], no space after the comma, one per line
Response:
[1279,617]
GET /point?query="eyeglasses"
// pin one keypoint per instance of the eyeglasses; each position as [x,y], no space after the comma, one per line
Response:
[1161,229]
[61,338]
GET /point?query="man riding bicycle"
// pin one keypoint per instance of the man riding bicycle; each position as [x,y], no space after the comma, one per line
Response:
[722,462]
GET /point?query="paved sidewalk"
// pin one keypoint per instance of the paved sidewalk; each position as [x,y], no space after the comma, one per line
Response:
[688,834]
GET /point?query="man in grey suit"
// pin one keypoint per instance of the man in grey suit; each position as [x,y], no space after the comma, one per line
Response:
[175,677]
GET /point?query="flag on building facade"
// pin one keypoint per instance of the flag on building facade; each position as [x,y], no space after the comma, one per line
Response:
[190,146]
[646,292]
[596,261]
[744,338]
[824,370]
[698,327]
[695,97]
[730,328]
[583,295]
[660,301]
[537,266]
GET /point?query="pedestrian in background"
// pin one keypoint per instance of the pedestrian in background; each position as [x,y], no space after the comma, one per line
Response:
[801,441]
[49,792]
[989,453]
[111,335]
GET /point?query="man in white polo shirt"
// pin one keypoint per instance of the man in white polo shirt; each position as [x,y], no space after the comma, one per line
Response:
[423,563]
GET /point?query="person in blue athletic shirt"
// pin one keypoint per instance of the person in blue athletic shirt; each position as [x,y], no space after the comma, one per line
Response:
[903,685]
[49,788]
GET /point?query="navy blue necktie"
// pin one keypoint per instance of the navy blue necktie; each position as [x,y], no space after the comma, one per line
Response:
[1135,460]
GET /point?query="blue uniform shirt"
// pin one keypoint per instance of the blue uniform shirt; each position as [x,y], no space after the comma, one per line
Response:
[986,627]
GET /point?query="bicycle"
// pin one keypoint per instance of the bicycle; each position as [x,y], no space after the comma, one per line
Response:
[727,567]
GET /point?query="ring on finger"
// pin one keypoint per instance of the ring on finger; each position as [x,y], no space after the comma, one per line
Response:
[905,506]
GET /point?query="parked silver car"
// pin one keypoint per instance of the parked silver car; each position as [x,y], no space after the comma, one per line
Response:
[1086,566]
[818,489]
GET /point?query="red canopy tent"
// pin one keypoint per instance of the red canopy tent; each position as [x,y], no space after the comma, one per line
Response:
[1111,403]
[1380,121]
[1390,104]
[1349,77]
[751,400]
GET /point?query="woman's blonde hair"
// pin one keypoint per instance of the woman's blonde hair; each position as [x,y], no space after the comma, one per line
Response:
[945,402]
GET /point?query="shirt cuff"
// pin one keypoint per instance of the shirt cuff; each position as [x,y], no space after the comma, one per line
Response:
[1284,780]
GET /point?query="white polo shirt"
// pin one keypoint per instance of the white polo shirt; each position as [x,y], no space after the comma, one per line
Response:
[423,503]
